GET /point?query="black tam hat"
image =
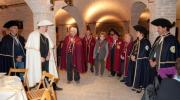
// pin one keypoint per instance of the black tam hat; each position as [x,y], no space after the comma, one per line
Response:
[11,23]
[163,23]
[141,29]
[115,32]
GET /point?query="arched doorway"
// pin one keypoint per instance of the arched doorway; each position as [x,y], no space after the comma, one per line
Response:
[71,15]
[103,15]
[140,15]
[144,19]
[92,12]
[106,24]
[63,21]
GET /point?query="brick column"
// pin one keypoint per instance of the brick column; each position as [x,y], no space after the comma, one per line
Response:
[41,10]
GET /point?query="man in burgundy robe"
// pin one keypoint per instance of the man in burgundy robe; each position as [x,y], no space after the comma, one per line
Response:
[88,45]
[110,42]
[128,44]
[118,45]
[72,56]
[115,52]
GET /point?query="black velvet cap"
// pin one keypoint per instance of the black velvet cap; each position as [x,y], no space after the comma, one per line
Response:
[11,23]
[141,29]
[163,23]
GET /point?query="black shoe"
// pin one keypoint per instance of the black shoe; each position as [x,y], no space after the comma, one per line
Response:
[55,87]
[127,84]
[92,70]
[139,90]
[122,80]
[58,88]
[133,89]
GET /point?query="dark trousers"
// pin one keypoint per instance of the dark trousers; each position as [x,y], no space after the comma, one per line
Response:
[112,63]
[131,70]
[122,70]
[20,65]
[97,63]
[45,66]
[113,73]
[70,69]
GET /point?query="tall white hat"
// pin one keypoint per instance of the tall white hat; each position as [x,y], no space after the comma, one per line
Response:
[45,23]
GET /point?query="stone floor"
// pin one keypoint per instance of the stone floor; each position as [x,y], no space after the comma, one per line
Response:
[93,87]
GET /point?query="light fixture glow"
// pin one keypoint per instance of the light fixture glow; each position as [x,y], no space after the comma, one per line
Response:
[71,21]
[145,14]
[106,18]
[100,7]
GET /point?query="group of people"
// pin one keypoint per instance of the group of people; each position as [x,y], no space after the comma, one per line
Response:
[117,55]
[136,62]
[35,54]
[80,54]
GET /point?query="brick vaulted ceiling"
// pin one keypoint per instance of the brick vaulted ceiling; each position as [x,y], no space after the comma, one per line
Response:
[99,11]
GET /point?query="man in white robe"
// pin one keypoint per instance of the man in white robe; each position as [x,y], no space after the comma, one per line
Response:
[34,59]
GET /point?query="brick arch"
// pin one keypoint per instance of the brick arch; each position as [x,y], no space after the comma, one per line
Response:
[136,10]
[107,25]
[74,13]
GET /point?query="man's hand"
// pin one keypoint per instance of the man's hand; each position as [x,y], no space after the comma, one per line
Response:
[105,59]
[72,40]
[48,57]
[43,59]
[153,63]
[133,58]
[122,57]
[19,58]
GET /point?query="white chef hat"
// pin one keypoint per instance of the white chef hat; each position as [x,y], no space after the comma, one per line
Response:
[45,23]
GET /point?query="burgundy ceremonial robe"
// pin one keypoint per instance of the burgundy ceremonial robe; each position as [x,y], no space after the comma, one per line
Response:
[118,50]
[88,47]
[77,53]
[108,61]
[126,54]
